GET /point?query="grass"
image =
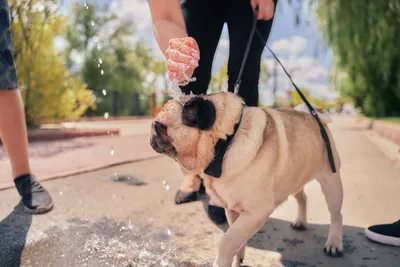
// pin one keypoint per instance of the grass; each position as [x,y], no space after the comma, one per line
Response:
[395,120]
[391,119]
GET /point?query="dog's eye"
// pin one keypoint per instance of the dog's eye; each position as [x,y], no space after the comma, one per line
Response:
[199,113]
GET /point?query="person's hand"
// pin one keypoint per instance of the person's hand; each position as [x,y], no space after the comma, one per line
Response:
[183,56]
[265,9]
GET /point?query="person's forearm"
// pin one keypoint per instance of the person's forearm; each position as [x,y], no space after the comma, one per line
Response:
[165,30]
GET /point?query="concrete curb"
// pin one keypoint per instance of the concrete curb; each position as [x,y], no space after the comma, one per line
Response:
[59,134]
[86,170]
[388,130]
[121,118]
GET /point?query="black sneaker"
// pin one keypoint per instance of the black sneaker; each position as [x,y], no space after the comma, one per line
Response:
[34,197]
[388,234]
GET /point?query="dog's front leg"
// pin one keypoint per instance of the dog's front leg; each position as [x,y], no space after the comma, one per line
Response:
[231,216]
[245,226]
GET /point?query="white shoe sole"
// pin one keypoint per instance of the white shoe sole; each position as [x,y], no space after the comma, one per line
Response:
[383,239]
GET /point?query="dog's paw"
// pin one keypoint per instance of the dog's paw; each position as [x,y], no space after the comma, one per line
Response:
[333,248]
[185,197]
[237,262]
[298,226]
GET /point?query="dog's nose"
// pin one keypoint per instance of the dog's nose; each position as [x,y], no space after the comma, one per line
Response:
[159,128]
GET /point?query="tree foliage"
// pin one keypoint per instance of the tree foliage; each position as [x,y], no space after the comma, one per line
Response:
[364,37]
[111,60]
[48,88]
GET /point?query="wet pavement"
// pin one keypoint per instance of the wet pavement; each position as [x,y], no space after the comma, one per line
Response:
[125,216]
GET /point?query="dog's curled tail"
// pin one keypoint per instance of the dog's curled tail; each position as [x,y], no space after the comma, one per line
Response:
[323,115]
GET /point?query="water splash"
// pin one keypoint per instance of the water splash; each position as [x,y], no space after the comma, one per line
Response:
[85,5]
[100,61]
[106,115]
[102,72]
[174,89]
[166,185]
[104,91]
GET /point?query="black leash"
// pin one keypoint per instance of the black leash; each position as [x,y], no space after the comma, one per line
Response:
[246,54]
[312,110]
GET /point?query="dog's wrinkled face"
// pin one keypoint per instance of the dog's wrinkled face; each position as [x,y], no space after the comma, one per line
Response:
[179,127]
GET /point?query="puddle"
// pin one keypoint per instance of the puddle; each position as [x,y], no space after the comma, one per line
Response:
[104,242]
[127,179]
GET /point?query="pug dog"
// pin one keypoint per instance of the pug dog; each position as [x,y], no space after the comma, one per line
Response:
[251,160]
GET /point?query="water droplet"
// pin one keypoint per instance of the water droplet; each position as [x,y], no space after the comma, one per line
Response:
[100,61]
[106,115]
[61,193]
[102,72]
[86,5]
[104,91]
[166,185]
[92,22]
[169,232]
[112,151]
[98,46]
[98,65]
[162,245]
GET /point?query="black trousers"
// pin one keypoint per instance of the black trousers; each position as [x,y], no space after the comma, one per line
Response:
[204,22]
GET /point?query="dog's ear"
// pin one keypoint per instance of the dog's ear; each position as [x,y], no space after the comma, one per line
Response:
[199,113]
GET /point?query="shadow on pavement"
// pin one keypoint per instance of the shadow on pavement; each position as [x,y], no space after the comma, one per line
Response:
[305,248]
[13,231]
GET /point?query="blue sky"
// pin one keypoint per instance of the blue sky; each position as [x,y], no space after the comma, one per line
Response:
[296,46]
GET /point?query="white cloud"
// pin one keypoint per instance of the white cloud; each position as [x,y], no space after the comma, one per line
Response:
[306,72]
[292,46]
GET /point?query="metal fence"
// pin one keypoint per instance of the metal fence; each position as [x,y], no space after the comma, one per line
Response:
[117,103]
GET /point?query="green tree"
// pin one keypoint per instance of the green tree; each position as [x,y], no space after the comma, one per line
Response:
[112,62]
[364,36]
[219,79]
[48,88]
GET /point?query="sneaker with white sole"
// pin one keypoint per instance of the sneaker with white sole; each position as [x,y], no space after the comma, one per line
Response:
[388,234]
[35,198]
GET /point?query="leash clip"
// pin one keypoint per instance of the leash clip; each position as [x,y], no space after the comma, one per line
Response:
[236,90]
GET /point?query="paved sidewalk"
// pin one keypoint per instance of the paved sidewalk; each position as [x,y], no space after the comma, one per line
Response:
[52,159]
[99,221]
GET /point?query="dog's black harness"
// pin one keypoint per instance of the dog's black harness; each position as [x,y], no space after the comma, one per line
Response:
[214,169]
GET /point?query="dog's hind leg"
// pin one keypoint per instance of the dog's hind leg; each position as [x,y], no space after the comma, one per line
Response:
[231,217]
[331,185]
[301,220]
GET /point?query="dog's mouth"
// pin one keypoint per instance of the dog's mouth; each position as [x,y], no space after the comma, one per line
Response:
[160,141]
[162,147]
